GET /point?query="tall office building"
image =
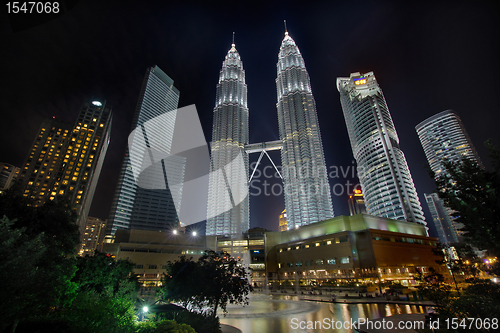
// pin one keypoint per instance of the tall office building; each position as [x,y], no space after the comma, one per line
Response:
[356,203]
[384,175]
[307,191]
[442,220]
[8,175]
[66,160]
[229,137]
[44,160]
[148,207]
[443,137]
[93,237]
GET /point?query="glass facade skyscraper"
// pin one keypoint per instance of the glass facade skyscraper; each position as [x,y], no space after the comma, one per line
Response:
[306,187]
[442,220]
[443,137]
[151,207]
[229,180]
[384,175]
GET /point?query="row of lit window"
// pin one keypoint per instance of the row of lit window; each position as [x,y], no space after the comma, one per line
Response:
[318,262]
[306,246]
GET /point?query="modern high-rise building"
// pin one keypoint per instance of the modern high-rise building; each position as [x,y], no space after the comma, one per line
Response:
[44,160]
[306,187]
[384,175]
[442,220]
[84,156]
[66,160]
[443,137]
[8,175]
[149,207]
[93,236]
[356,203]
[229,137]
[282,225]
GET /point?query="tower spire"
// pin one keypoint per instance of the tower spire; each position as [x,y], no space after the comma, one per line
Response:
[286,30]
[233,39]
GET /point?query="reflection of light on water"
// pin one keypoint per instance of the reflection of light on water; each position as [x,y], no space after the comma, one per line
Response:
[388,311]
[275,314]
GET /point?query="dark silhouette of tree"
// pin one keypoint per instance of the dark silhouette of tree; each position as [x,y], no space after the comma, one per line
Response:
[474,194]
[213,281]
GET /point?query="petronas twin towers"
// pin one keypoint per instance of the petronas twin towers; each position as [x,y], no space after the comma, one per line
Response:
[306,187]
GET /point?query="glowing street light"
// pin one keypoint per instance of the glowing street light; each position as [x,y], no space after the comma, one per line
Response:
[174,232]
[194,233]
[145,309]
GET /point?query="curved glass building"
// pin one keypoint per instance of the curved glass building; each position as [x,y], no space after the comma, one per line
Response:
[443,136]
[307,191]
[228,202]
[384,175]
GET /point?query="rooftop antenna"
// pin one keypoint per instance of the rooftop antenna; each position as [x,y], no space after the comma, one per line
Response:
[286,30]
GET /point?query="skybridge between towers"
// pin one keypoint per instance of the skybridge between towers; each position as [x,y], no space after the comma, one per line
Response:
[263,148]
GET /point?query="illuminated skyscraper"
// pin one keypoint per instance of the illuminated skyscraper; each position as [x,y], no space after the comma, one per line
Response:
[44,160]
[229,136]
[66,160]
[150,207]
[442,220]
[8,175]
[356,203]
[384,175]
[443,137]
[306,187]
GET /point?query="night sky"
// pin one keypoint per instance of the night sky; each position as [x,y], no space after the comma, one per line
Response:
[428,56]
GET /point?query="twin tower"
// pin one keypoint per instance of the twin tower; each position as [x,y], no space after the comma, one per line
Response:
[303,169]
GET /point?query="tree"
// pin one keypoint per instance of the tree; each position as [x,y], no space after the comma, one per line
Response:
[19,257]
[474,194]
[215,280]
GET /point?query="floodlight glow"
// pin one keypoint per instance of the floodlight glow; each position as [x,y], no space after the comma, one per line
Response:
[145,309]
[175,232]
[97,103]
[194,233]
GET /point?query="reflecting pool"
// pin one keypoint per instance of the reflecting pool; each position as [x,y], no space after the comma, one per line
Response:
[283,314]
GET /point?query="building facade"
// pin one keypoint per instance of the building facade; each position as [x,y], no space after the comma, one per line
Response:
[8,175]
[443,137]
[359,248]
[356,203]
[44,160]
[66,161]
[442,219]
[282,224]
[93,237]
[306,188]
[151,251]
[226,213]
[148,207]
[384,175]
